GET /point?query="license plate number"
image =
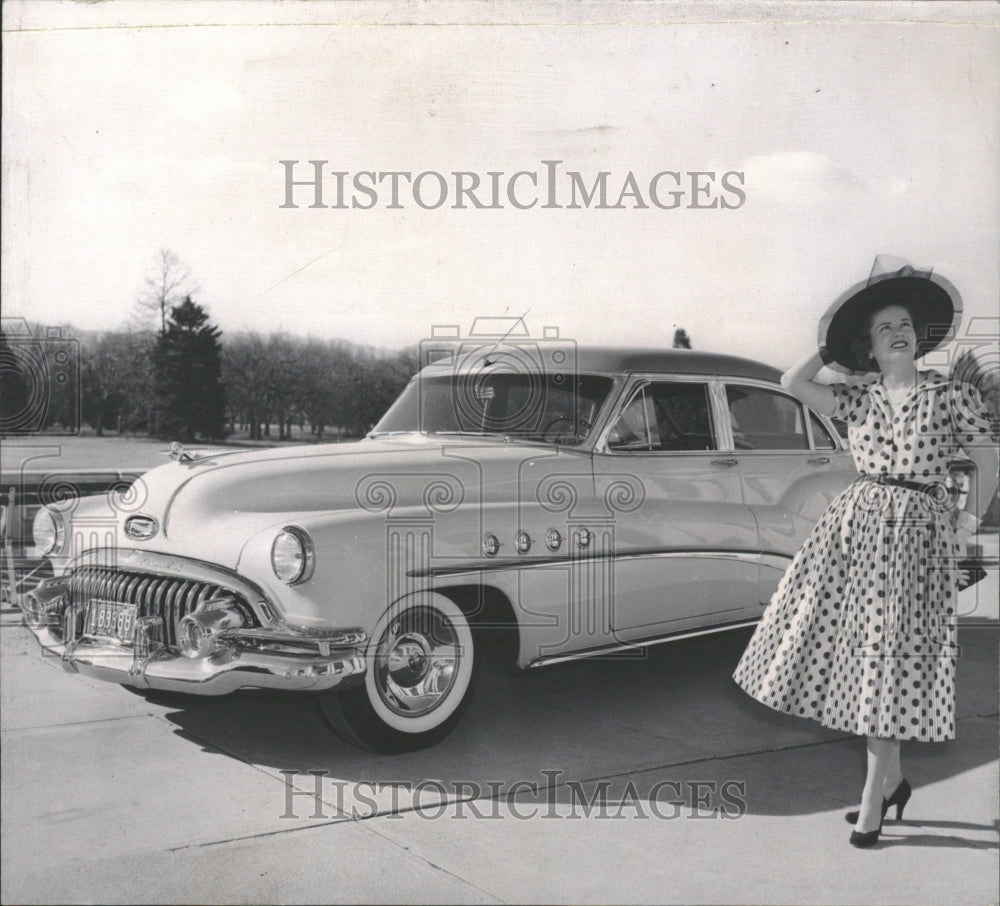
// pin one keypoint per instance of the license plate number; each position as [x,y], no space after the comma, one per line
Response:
[111,620]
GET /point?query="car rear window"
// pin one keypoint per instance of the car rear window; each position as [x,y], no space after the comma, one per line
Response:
[663,416]
[765,420]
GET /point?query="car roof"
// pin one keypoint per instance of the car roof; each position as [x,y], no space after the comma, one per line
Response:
[562,356]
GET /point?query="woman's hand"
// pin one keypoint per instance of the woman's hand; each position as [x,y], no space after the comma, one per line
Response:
[966,525]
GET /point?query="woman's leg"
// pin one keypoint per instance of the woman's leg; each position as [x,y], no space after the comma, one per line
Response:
[881,754]
[894,772]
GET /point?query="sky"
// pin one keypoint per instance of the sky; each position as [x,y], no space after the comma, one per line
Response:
[857,128]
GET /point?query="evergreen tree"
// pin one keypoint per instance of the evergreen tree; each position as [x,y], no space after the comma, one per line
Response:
[681,339]
[188,376]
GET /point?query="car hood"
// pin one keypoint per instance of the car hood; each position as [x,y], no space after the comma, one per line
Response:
[208,508]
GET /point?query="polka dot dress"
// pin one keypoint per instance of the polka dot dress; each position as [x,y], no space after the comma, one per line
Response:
[860,634]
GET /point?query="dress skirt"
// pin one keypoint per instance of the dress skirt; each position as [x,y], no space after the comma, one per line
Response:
[861,633]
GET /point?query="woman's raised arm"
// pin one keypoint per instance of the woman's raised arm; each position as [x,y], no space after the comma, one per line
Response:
[799,379]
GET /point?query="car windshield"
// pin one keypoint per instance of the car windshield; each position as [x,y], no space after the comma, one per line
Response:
[552,408]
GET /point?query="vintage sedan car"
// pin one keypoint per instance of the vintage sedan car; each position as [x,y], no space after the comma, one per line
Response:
[543,503]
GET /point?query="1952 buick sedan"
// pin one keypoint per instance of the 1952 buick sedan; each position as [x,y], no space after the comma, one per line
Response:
[539,500]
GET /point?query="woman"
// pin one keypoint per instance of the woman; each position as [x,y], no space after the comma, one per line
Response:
[860,634]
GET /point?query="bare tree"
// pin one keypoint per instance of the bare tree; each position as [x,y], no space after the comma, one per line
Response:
[253,370]
[287,389]
[285,380]
[118,381]
[168,283]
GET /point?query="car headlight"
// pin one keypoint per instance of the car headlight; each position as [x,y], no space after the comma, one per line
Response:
[47,531]
[292,556]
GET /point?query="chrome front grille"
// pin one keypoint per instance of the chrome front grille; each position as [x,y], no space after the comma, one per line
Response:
[154,596]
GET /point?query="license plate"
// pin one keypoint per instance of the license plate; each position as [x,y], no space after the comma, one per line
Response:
[111,620]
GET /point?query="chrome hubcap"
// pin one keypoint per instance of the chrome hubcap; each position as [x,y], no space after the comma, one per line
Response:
[416,662]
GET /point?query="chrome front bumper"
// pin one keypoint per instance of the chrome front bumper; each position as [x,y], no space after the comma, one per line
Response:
[236,665]
[275,656]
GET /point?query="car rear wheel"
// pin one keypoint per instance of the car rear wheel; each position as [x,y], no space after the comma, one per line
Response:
[422,668]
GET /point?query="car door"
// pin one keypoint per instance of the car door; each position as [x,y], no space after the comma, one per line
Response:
[684,544]
[791,464]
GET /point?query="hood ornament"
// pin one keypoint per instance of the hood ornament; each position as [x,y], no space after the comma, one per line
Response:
[177,453]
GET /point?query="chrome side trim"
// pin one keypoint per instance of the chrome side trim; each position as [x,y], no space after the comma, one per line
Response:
[632,646]
[775,561]
[769,558]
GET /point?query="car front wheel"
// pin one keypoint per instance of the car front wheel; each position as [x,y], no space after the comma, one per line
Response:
[421,670]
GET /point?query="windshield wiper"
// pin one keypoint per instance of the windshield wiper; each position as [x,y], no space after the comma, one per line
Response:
[467,433]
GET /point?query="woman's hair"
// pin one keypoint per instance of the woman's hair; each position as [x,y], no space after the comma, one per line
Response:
[861,342]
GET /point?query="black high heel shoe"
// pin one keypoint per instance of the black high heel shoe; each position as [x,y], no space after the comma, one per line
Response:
[899,799]
[866,839]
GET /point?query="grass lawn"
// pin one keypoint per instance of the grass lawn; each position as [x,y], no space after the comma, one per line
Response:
[85,452]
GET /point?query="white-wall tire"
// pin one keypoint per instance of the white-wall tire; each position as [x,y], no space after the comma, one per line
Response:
[421,670]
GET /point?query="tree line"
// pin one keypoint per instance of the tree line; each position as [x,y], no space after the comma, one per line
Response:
[267,385]
[170,373]
[189,381]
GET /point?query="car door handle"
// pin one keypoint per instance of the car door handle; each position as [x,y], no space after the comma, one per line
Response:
[819,461]
[724,462]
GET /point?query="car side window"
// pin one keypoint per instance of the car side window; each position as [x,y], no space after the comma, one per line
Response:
[765,420]
[664,416]
[821,437]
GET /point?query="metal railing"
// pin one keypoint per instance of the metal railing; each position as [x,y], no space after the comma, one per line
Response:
[22,493]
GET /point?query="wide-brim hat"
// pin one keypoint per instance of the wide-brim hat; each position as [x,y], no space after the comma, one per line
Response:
[934,303]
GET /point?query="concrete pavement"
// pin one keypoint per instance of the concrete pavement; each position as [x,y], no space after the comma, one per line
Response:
[647,779]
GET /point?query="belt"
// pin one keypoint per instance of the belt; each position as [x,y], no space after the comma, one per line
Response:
[934,488]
